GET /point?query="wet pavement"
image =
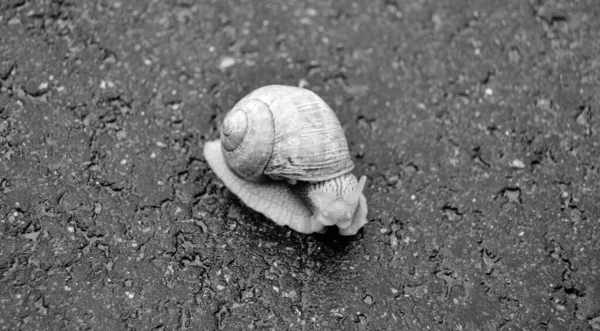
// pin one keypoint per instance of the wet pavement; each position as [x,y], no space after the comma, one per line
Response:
[476,123]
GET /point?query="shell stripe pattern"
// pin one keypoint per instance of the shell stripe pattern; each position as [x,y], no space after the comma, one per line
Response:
[309,144]
[274,199]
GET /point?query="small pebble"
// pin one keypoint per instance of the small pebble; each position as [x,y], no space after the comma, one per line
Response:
[393,180]
[97,208]
[226,62]
[516,163]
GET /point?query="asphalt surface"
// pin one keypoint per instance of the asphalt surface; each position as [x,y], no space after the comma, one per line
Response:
[476,122]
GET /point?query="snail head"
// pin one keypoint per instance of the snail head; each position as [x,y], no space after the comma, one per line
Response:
[337,200]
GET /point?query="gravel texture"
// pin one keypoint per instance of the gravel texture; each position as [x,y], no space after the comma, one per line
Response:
[476,121]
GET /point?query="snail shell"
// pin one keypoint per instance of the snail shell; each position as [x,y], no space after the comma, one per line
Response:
[282,135]
[285,132]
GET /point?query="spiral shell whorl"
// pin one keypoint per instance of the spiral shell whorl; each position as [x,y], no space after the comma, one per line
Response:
[247,138]
[234,130]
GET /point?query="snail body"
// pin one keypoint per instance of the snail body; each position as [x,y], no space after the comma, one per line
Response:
[283,152]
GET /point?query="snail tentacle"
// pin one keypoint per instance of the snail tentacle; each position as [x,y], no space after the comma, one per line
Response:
[358,220]
[353,197]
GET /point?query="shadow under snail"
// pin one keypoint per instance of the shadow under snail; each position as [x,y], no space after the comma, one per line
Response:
[283,152]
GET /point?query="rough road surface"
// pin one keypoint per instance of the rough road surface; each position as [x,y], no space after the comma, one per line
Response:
[477,123]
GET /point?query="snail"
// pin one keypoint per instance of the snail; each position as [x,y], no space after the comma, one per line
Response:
[283,152]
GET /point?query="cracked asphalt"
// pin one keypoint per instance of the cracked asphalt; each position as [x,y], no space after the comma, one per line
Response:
[476,122]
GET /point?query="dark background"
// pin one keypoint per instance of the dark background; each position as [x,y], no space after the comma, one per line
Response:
[476,123]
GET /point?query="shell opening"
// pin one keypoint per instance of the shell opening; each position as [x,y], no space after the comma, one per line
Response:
[352,198]
[234,130]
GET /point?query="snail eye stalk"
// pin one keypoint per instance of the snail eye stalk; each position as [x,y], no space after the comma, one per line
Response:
[352,198]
